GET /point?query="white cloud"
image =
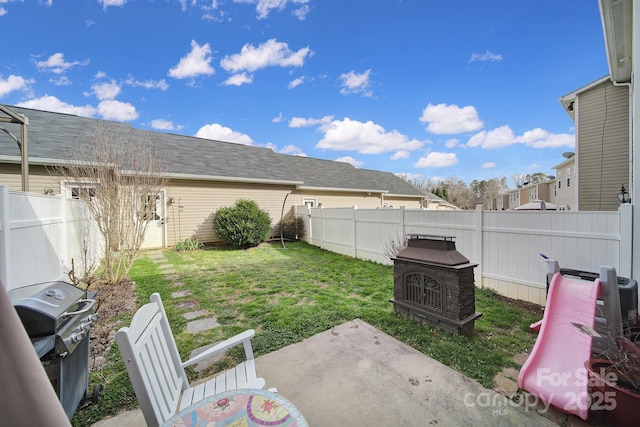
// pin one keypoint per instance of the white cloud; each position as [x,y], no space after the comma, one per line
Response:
[60,81]
[293,150]
[301,13]
[365,138]
[537,138]
[3,11]
[450,119]
[402,154]
[147,84]
[488,165]
[437,160]
[56,64]
[51,103]
[497,138]
[487,56]
[279,118]
[270,53]
[348,159]
[107,3]
[117,110]
[300,122]
[451,143]
[540,138]
[295,82]
[264,7]
[107,90]
[162,124]
[13,83]
[238,80]
[196,63]
[218,132]
[353,82]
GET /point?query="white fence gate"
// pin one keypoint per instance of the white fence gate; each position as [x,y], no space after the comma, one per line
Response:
[506,245]
[40,235]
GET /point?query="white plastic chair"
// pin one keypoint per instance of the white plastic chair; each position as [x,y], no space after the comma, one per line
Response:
[157,373]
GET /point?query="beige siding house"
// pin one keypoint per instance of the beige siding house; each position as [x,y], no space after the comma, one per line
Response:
[502,202]
[600,111]
[566,184]
[205,175]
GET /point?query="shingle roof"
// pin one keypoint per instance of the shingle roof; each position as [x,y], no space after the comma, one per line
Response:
[51,135]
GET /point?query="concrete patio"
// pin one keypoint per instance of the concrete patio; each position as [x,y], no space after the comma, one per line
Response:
[355,375]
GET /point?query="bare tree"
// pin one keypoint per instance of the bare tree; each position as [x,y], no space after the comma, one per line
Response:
[458,193]
[118,175]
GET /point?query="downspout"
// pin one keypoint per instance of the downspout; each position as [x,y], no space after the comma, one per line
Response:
[631,148]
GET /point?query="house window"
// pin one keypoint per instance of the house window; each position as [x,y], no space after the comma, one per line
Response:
[77,192]
[310,202]
[568,177]
[559,179]
[150,207]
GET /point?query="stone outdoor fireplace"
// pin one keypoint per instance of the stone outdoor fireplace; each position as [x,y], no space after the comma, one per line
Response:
[434,283]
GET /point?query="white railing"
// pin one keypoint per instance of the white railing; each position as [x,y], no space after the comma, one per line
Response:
[40,237]
[506,245]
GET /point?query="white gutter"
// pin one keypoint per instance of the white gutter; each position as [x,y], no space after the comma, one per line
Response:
[344,190]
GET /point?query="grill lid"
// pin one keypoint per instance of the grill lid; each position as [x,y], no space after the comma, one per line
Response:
[432,249]
[41,307]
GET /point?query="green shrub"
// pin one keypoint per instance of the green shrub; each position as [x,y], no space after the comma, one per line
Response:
[190,244]
[292,227]
[242,225]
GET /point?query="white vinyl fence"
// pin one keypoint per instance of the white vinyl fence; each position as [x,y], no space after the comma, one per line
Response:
[506,245]
[40,235]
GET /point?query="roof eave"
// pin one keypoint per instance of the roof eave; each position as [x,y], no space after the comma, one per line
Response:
[343,190]
[617,25]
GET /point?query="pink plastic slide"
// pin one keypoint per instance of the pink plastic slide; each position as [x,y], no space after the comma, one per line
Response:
[554,371]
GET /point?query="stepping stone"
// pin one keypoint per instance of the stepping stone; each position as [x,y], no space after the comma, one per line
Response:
[193,314]
[506,382]
[155,255]
[196,326]
[204,364]
[176,284]
[180,294]
[186,304]
[164,267]
[172,277]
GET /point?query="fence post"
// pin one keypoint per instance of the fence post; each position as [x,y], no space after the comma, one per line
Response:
[322,227]
[354,228]
[5,236]
[478,244]
[626,239]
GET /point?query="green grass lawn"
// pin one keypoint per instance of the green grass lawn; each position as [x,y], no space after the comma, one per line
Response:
[290,294]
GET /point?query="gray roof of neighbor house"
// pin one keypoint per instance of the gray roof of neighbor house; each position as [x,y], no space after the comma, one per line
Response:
[51,136]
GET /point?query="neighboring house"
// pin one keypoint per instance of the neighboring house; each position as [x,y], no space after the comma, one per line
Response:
[502,202]
[205,175]
[566,183]
[436,203]
[514,199]
[524,194]
[600,111]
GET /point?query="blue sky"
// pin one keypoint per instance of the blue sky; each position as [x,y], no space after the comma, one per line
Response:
[457,88]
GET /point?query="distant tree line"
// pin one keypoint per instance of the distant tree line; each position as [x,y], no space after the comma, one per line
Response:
[458,193]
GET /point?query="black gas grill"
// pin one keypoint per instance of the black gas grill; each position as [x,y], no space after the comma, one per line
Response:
[58,317]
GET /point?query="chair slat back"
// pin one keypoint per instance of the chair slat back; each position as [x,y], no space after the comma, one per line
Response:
[149,357]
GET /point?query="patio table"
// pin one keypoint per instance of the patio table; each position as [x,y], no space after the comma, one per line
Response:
[242,407]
